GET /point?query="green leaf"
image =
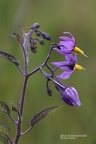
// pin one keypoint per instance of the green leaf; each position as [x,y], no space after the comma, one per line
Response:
[41,115]
[9,57]
[15,107]
[4,129]
[4,134]
[3,139]
[4,107]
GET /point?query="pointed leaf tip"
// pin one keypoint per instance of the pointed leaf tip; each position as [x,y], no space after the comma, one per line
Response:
[41,115]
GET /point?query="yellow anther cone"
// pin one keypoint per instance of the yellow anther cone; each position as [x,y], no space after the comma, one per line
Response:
[78,50]
[78,67]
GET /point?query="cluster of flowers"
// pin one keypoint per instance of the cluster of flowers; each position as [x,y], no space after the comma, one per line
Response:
[67,47]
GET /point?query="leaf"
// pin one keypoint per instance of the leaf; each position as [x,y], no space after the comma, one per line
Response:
[4,107]
[4,129]
[19,39]
[15,107]
[3,139]
[9,57]
[4,134]
[41,115]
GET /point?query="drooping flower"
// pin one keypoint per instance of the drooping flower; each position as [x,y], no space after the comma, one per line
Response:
[70,96]
[68,66]
[67,45]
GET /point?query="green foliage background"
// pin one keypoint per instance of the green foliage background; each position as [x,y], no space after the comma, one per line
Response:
[55,17]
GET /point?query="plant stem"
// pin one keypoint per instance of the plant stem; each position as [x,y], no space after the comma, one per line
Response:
[44,63]
[26,76]
[29,129]
[48,56]
[12,119]
[23,96]
[35,70]
[19,123]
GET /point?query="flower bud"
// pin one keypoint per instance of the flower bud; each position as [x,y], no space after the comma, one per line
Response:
[46,36]
[35,25]
[37,33]
[33,46]
[41,42]
[49,91]
[70,96]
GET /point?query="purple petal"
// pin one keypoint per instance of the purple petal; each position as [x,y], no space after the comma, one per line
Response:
[73,94]
[68,45]
[59,63]
[70,96]
[75,59]
[63,52]
[73,39]
[66,100]
[69,58]
[62,65]
[59,51]
[65,75]
[64,38]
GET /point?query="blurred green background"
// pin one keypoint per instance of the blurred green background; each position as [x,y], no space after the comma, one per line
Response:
[55,17]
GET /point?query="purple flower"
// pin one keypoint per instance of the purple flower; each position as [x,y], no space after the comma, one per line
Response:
[68,44]
[70,96]
[68,66]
